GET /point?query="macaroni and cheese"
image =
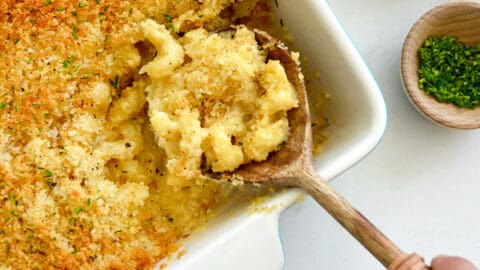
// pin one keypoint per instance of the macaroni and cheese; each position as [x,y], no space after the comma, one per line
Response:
[109,110]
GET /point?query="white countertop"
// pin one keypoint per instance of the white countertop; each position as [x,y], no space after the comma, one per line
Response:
[420,186]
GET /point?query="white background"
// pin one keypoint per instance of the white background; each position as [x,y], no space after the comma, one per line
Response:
[420,186]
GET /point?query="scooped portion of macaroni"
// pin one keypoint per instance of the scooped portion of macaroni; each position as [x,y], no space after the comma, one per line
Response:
[215,101]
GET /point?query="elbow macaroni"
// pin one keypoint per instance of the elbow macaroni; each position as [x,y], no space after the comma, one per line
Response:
[170,53]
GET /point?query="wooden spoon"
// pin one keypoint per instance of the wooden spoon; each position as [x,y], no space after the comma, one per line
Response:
[292,164]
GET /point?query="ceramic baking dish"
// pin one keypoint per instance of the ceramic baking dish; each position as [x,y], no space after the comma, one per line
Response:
[238,239]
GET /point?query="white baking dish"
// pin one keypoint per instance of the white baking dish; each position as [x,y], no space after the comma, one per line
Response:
[239,239]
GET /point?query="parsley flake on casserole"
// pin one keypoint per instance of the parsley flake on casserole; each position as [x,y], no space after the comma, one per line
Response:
[83,182]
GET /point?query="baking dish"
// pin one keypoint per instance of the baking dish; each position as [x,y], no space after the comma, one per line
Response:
[239,238]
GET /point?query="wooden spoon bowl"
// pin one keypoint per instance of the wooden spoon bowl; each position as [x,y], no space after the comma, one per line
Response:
[292,164]
[461,20]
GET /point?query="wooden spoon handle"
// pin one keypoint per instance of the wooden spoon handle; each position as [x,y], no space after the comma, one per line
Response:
[354,222]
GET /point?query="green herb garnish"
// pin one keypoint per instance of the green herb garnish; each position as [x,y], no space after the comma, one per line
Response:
[75,32]
[47,173]
[450,71]
[77,210]
[115,82]
[169,20]
[68,61]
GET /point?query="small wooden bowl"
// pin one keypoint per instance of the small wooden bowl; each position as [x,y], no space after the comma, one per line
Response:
[458,19]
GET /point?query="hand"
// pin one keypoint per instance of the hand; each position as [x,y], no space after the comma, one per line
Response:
[415,262]
[451,263]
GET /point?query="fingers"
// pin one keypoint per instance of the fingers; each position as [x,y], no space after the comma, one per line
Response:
[398,261]
[449,263]
[414,262]
[407,262]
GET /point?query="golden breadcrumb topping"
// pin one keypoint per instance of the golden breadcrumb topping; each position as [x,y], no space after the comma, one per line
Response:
[82,180]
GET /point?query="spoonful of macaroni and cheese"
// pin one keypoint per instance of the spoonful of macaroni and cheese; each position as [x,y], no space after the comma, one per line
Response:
[232,105]
[215,101]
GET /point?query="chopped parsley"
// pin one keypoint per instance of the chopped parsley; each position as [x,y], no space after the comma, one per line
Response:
[115,82]
[450,71]
[68,61]
[169,19]
[77,210]
[75,32]
[48,2]
[47,173]
[82,5]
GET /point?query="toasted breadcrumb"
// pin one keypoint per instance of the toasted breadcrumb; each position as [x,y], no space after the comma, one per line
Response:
[82,184]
